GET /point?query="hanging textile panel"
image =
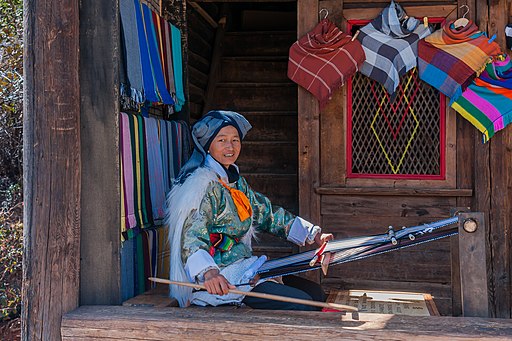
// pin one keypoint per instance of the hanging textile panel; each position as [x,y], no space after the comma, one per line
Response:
[400,138]
[151,63]
[152,152]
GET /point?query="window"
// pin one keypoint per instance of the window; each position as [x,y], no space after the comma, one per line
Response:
[402,139]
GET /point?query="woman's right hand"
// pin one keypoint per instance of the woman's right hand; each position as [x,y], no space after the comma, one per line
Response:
[215,283]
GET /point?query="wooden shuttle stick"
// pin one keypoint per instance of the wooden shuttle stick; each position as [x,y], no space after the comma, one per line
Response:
[262,295]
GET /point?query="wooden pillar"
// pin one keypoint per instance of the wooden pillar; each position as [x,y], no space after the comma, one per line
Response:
[473,265]
[99,107]
[308,126]
[51,164]
[493,181]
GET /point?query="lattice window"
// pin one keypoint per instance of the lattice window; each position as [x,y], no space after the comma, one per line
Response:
[402,139]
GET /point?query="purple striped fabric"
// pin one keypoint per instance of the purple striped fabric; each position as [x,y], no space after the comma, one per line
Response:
[127,176]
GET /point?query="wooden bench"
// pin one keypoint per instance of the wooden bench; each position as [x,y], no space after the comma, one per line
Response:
[169,323]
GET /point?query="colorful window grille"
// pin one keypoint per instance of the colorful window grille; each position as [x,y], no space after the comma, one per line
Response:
[400,139]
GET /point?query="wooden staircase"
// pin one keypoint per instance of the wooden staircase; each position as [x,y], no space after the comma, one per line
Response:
[252,80]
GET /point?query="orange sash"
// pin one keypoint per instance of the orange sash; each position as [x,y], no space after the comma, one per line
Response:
[243,206]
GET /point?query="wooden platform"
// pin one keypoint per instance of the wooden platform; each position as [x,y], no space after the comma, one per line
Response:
[147,323]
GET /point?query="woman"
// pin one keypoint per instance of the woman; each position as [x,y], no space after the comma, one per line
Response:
[213,215]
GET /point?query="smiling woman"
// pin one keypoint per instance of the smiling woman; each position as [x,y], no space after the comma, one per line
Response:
[213,215]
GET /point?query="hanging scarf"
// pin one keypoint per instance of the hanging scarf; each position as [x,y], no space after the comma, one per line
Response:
[487,102]
[450,58]
[323,60]
[131,70]
[390,43]
[177,67]
[154,56]
[243,206]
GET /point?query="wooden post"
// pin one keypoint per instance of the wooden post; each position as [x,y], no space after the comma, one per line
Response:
[308,117]
[309,127]
[100,201]
[51,165]
[473,274]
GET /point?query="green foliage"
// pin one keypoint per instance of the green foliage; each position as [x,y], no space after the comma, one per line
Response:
[11,253]
[11,92]
[11,95]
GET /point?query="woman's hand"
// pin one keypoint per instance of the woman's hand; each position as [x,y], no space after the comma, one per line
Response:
[320,239]
[216,284]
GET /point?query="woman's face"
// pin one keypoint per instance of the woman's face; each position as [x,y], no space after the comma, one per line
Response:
[226,146]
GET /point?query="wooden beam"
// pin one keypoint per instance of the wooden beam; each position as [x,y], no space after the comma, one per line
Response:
[232,323]
[413,11]
[203,13]
[500,212]
[100,272]
[472,254]
[51,164]
[308,126]
[378,191]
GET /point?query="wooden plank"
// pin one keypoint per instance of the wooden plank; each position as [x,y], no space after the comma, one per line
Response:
[259,43]
[203,14]
[269,157]
[279,128]
[379,191]
[387,206]
[262,70]
[239,97]
[472,254]
[309,126]
[500,212]
[142,323]
[100,219]
[419,11]
[52,166]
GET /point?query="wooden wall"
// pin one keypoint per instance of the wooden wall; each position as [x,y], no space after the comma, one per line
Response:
[349,207]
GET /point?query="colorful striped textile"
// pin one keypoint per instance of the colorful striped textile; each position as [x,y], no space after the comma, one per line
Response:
[323,60]
[152,152]
[146,255]
[487,102]
[450,58]
[390,43]
[151,66]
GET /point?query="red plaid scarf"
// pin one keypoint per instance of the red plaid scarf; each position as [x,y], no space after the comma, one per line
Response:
[323,59]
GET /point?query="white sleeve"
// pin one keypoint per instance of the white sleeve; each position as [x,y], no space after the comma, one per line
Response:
[303,231]
[198,263]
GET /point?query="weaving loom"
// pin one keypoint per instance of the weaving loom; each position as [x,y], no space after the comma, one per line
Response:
[350,249]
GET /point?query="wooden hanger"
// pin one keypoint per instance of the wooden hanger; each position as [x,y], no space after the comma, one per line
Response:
[462,22]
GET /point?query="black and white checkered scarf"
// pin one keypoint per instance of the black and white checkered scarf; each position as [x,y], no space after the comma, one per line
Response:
[390,43]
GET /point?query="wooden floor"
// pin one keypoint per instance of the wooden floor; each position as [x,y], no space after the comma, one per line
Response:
[231,323]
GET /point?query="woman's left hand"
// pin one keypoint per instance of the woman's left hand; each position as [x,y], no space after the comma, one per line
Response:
[320,239]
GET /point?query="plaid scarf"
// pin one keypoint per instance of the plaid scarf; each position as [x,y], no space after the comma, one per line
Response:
[487,102]
[450,58]
[323,59]
[390,43]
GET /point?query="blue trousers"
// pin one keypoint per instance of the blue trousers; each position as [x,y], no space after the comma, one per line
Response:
[294,286]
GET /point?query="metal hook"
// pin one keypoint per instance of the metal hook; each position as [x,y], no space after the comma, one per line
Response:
[467,10]
[326,13]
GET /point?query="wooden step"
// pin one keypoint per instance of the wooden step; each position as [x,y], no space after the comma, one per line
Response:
[271,43]
[272,128]
[268,157]
[253,70]
[255,97]
[281,189]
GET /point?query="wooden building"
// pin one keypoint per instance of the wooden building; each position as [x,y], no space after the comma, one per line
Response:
[307,160]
